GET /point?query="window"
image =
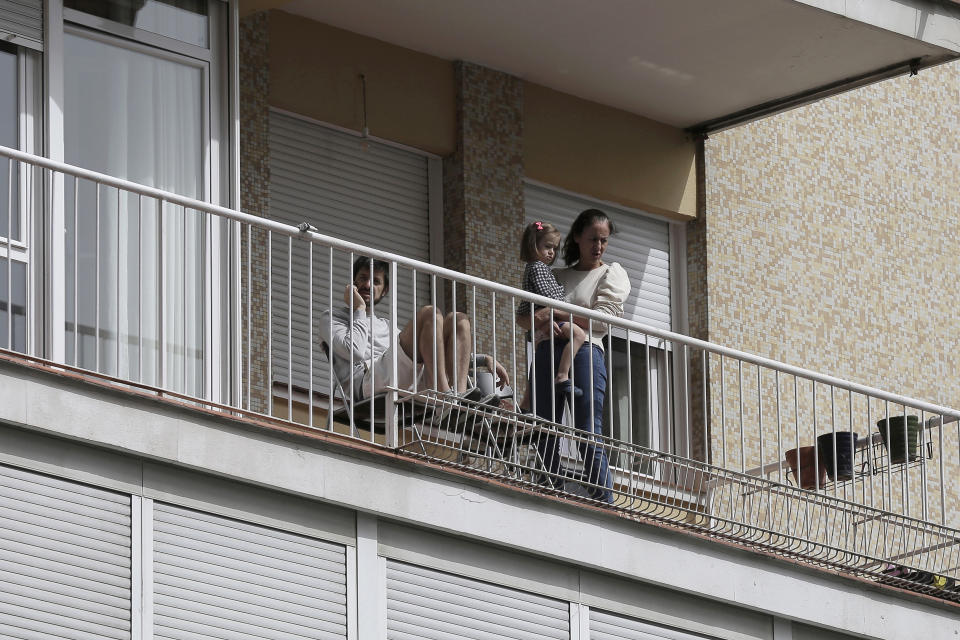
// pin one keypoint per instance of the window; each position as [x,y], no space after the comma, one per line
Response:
[19,194]
[142,87]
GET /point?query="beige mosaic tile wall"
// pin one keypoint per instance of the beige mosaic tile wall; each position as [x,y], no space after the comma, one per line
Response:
[828,240]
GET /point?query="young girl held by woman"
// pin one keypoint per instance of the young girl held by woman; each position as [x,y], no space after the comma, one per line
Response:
[538,248]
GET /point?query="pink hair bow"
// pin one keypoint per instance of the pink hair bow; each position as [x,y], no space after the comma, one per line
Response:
[539,225]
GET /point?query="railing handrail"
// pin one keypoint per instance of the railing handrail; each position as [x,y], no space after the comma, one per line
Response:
[425,267]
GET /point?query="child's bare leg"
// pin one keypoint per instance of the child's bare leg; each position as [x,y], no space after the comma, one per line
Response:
[576,337]
[525,401]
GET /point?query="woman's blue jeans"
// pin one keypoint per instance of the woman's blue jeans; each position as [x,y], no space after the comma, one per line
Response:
[548,404]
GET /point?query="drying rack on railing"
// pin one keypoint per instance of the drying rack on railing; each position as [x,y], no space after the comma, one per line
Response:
[809,526]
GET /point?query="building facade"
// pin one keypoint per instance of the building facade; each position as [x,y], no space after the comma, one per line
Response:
[176,462]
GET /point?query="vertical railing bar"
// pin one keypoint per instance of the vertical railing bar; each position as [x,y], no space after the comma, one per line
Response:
[760,435]
[351,393]
[905,482]
[140,287]
[833,429]
[629,437]
[330,354]
[183,285]
[943,479]
[553,370]
[532,360]
[455,383]
[608,357]
[310,333]
[26,231]
[513,351]
[390,404]
[887,487]
[414,312]
[10,209]
[776,380]
[816,448]
[796,426]
[290,328]
[705,363]
[870,455]
[688,437]
[118,286]
[371,311]
[433,304]
[76,270]
[493,319]
[921,441]
[269,376]
[743,444]
[249,300]
[473,331]
[905,476]
[651,427]
[668,377]
[96,265]
[590,382]
[723,412]
[162,359]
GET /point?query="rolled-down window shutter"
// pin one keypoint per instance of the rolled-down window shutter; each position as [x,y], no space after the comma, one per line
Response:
[353,189]
[425,603]
[611,626]
[220,578]
[641,246]
[22,19]
[64,559]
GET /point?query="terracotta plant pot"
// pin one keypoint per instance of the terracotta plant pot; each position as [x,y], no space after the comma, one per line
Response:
[840,445]
[809,477]
[901,443]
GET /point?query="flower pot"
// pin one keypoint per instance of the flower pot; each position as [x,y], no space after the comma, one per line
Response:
[837,448]
[901,443]
[808,475]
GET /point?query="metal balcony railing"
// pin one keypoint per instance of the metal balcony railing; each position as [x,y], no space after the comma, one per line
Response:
[228,310]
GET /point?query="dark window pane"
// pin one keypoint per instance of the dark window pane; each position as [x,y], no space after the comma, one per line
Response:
[9,112]
[14,315]
[184,20]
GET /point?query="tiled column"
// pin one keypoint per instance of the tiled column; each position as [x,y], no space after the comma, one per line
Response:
[698,305]
[254,199]
[483,189]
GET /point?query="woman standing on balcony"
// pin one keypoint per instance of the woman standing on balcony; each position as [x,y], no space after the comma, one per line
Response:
[592,283]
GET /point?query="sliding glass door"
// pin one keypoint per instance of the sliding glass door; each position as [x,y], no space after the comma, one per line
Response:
[139,303]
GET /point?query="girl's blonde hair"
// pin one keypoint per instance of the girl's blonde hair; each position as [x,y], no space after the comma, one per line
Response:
[531,237]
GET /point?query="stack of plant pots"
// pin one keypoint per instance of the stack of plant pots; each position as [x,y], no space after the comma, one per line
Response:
[834,456]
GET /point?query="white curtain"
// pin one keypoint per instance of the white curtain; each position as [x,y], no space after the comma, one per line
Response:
[140,117]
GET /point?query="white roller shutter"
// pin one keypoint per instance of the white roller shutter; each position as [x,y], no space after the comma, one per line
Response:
[22,19]
[358,190]
[64,559]
[641,246]
[220,578]
[427,604]
[611,626]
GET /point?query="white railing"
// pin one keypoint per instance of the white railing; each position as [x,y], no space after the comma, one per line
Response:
[226,309]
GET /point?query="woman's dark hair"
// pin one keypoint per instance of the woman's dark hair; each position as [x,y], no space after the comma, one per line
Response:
[587,217]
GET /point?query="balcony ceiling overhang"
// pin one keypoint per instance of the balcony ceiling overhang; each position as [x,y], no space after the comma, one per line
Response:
[699,64]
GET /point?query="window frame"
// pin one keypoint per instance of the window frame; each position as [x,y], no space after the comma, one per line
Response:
[220,157]
[29,202]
